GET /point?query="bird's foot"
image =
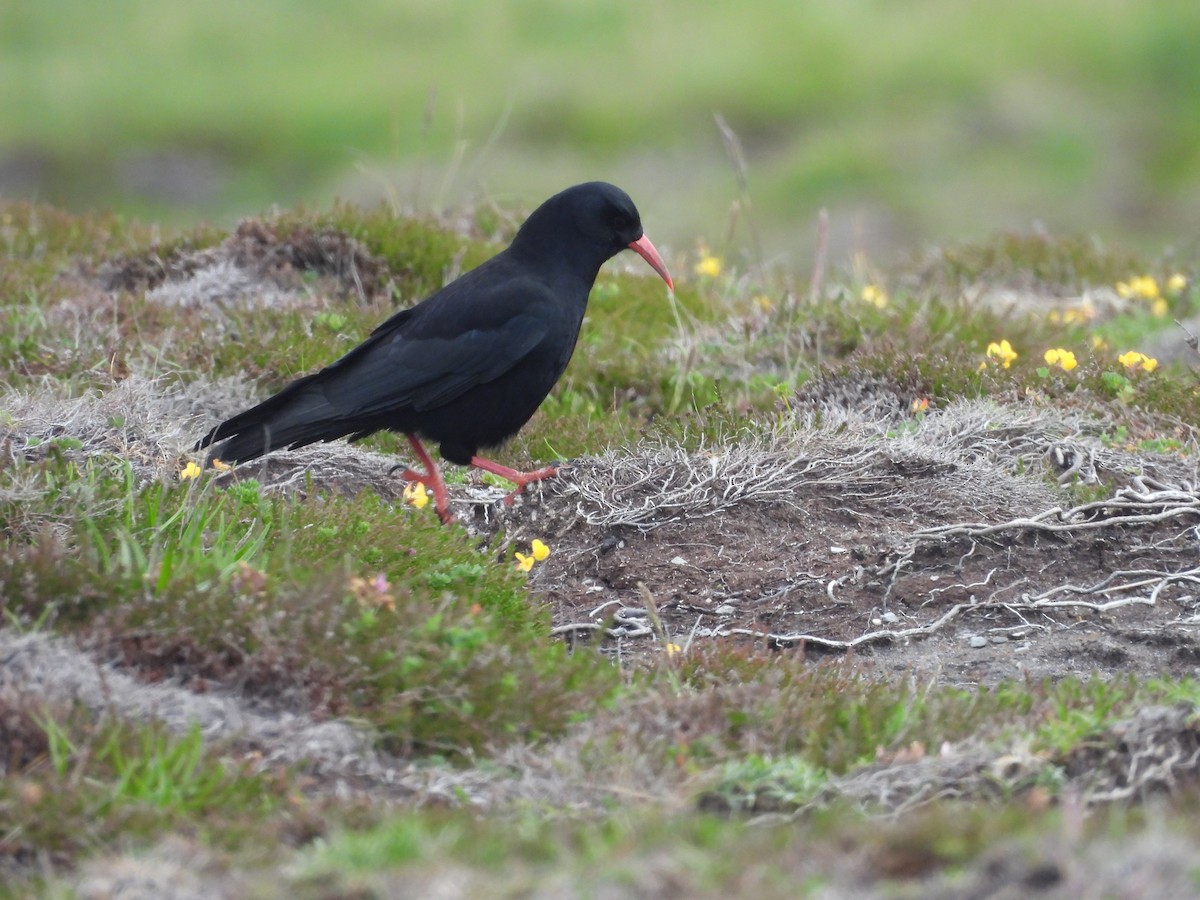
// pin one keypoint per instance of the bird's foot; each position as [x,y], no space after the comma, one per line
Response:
[409,474]
[431,478]
[528,478]
[520,479]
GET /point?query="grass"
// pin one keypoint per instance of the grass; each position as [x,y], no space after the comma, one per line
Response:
[947,120]
[515,759]
[80,783]
[237,586]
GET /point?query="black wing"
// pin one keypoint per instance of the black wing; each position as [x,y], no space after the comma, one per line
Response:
[469,333]
[429,355]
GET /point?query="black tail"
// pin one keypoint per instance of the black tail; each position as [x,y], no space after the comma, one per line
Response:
[298,415]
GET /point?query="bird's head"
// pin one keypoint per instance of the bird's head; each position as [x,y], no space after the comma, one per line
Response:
[601,216]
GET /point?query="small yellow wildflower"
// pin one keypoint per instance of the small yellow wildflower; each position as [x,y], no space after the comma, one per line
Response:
[1159,307]
[1140,287]
[709,266]
[221,466]
[538,552]
[1064,359]
[920,405]
[1177,283]
[875,295]
[1099,343]
[1072,315]
[190,471]
[763,303]
[672,649]
[1133,361]
[1001,352]
[415,494]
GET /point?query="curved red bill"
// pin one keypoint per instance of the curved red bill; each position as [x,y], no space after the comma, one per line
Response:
[646,251]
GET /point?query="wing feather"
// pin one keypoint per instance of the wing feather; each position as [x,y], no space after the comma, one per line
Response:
[425,373]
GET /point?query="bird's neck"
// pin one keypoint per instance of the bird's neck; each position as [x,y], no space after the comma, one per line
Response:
[560,262]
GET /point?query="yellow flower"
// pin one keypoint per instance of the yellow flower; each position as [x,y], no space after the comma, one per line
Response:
[1099,343]
[1084,312]
[1065,359]
[763,303]
[415,494]
[1159,307]
[538,551]
[1002,353]
[221,465]
[709,266]
[1177,283]
[1133,361]
[191,470]
[920,405]
[875,295]
[672,649]
[1140,287]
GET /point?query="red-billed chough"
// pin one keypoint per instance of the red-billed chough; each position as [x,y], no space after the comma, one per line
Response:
[469,365]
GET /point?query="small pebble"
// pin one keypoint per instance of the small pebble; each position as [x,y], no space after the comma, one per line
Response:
[999,639]
[977,641]
[679,561]
[725,609]
[890,617]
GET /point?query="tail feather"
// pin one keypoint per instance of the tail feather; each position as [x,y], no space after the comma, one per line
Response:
[294,417]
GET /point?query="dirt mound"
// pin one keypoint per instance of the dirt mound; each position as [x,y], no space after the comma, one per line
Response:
[257,255]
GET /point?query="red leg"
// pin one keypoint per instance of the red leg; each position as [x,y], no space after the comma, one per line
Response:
[520,479]
[432,479]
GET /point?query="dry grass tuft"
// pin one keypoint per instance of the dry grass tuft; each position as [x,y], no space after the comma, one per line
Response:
[977,457]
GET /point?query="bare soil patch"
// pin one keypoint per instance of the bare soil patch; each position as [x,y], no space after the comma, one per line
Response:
[912,555]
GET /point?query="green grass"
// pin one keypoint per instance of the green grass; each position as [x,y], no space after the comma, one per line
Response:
[707,855]
[443,654]
[1079,116]
[82,784]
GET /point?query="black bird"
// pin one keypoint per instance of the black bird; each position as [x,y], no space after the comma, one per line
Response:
[468,366]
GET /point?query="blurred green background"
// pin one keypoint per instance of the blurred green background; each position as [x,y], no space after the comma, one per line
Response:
[912,122]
